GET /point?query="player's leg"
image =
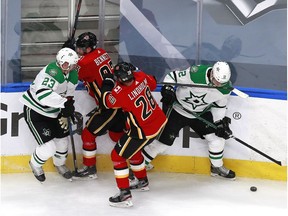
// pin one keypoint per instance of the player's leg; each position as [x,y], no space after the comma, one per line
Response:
[128,148]
[215,146]
[216,150]
[41,128]
[97,125]
[165,138]
[121,172]
[60,157]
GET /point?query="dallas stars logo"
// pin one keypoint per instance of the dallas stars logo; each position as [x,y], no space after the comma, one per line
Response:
[195,101]
[46,132]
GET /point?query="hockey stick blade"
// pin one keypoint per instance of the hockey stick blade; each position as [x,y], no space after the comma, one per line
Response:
[234,90]
[240,93]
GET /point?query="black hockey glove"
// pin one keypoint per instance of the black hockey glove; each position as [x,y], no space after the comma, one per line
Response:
[168,95]
[223,129]
[70,43]
[108,82]
[69,108]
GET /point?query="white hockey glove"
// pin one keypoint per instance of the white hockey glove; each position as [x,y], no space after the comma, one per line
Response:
[63,121]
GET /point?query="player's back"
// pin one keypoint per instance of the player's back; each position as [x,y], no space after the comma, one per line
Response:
[93,65]
[137,100]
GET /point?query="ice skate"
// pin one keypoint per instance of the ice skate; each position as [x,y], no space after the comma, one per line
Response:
[140,185]
[149,166]
[223,172]
[38,172]
[64,171]
[123,199]
[87,172]
[132,179]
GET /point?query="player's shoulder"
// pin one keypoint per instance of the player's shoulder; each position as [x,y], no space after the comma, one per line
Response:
[117,89]
[53,70]
[226,89]
[99,50]
[139,73]
[200,68]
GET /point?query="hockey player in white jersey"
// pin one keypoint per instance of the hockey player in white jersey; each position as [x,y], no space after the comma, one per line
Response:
[48,104]
[194,107]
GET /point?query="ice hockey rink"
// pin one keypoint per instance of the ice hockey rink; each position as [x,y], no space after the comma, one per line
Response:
[170,194]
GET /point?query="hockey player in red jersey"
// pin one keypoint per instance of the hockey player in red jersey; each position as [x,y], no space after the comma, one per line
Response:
[93,64]
[145,120]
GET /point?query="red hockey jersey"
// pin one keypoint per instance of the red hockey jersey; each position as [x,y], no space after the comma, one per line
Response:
[144,116]
[92,66]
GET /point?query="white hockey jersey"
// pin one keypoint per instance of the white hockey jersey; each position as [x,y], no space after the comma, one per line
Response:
[47,93]
[195,99]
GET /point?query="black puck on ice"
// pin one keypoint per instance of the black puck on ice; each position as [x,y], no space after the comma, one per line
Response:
[253,188]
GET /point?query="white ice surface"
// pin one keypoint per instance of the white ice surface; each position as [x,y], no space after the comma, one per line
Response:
[170,194]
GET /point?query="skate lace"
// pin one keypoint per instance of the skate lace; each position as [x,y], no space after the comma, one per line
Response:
[116,195]
[37,170]
[122,195]
[133,182]
[62,169]
[83,169]
[224,170]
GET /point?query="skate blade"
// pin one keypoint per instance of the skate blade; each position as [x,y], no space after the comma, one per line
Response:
[222,177]
[143,189]
[85,178]
[124,204]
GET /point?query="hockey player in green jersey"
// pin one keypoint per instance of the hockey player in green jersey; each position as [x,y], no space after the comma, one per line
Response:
[194,107]
[48,104]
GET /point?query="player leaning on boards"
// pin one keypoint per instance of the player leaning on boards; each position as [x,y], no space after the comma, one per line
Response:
[145,119]
[48,104]
[192,106]
[93,65]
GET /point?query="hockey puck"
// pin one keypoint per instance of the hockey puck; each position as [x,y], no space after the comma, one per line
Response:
[253,188]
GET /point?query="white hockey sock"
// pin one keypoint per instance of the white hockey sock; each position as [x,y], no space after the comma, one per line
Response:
[152,150]
[60,156]
[42,153]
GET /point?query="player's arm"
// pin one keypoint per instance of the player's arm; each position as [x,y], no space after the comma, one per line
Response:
[171,77]
[152,82]
[219,108]
[108,99]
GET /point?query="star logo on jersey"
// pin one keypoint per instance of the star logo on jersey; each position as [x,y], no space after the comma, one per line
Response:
[172,136]
[52,72]
[46,132]
[195,101]
[194,69]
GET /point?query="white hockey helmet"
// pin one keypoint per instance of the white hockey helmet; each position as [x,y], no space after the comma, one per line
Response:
[67,55]
[221,72]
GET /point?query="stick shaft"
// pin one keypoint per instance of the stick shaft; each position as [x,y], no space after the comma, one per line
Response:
[189,85]
[234,90]
[73,145]
[256,150]
[235,138]
[76,19]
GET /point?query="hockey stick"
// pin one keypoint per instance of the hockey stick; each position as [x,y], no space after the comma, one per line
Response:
[73,145]
[234,90]
[76,19]
[231,136]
